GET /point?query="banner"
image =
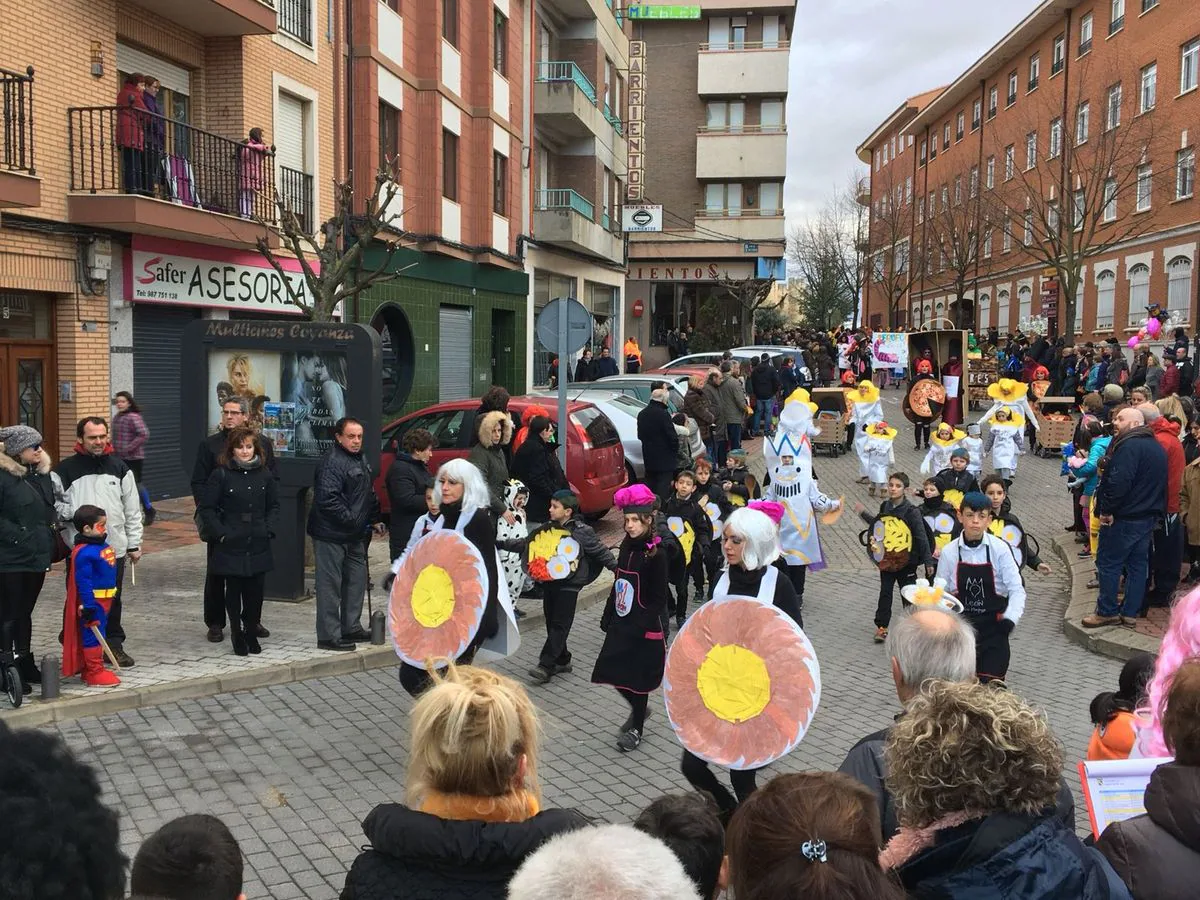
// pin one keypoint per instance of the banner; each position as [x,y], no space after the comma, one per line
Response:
[889,351]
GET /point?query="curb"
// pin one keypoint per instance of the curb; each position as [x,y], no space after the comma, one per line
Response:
[36,713]
[1116,641]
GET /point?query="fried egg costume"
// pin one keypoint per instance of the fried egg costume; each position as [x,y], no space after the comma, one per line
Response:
[1005,440]
[865,409]
[788,457]
[1008,392]
[880,452]
[942,443]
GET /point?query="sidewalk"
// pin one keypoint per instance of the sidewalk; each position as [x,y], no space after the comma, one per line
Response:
[166,634]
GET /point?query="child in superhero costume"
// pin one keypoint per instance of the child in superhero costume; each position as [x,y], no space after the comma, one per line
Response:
[91,586]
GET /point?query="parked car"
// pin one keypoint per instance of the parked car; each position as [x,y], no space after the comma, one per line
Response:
[622,410]
[639,386]
[704,360]
[595,457]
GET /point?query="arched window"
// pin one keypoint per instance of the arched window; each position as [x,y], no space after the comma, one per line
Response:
[1179,287]
[1024,302]
[1078,329]
[1139,293]
[1002,320]
[1106,292]
[985,312]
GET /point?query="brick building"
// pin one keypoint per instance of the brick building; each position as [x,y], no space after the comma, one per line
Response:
[1057,171]
[101,210]
[713,93]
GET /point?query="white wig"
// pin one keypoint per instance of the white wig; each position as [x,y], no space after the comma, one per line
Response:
[760,534]
[602,862]
[459,471]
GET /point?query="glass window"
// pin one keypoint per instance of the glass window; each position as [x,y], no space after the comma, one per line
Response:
[1110,200]
[1145,188]
[733,199]
[24,316]
[1149,86]
[1010,157]
[1179,287]
[1139,293]
[1106,292]
[1083,116]
[946,136]
[771,115]
[499,184]
[1117,19]
[1079,205]
[1006,242]
[1012,88]
[1085,34]
[450,21]
[993,101]
[1031,150]
[714,197]
[1035,70]
[1114,106]
[449,165]
[1002,321]
[1079,307]
[389,139]
[990,180]
[718,119]
[769,198]
[1059,54]
[985,311]
[1189,64]
[1027,234]
[1185,173]
[1024,302]
[987,244]
[499,41]
[959,125]
[976,114]
[1055,138]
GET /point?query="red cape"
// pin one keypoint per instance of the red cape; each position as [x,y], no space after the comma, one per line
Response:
[72,658]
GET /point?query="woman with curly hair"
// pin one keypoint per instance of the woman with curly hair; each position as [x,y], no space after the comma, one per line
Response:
[974,772]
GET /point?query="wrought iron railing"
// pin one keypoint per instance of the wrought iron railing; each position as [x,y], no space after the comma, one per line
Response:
[16,151]
[125,150]
[296,193]
[732,45]
[742,129]
[552,72]
[295,19]
[565,198]
[613,119]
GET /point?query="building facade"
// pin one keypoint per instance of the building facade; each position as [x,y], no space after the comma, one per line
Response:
[1060,166]
[709,101]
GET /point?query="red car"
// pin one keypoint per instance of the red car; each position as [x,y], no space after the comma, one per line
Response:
[595,457]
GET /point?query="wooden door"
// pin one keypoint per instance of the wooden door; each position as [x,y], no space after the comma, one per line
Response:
[28,390]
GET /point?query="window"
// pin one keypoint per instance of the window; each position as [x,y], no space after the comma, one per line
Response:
[1055,138]
[957,190]
[1145,188]
[770,115]
[893,146]
[737,33]
[908,190]
[1002,310]
[990,177]
[1012,87]
[499,41]
[389,139]
[987,243]
[1006,235]
[1059,55]
[1185,173]
[1179,287]
[1109,213]
[1010,157]
[1052,217]
[933,148]
[985,308]
[1113,117]
[450,22]
[1083,116]
[731,117]
[920,210]
[499,184]
[932,203]
[976,115]
[1189,58]
[769,203]
[946,136]
[1148,5]
[449,165]
[900,259]
[1078,209]
[958,126]
[1085,34]
[923,155]
[945,198]
[899,194]
[1106,292]
[1139,293]
[973,183]
[1035,70]
[1079,306]
[1031,150]
[295,18]
[993,102]
[1024,302]
[1117,21]
[1027,232]
[1149,86]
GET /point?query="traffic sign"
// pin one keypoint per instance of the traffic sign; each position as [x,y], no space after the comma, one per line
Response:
[564,313]
[638,308]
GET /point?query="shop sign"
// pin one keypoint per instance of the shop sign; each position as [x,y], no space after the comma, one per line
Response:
[635,133]
[642,217]
[689,271]
[666,11]
[175,273]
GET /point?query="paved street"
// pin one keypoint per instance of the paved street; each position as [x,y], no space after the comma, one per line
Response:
[293,768]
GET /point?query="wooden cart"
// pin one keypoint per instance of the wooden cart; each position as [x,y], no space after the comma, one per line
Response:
[1054,432]
[830,419]
[984,372]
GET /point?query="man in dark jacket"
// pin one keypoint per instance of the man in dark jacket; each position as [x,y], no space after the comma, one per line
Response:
[660,443]
[407,481]
[1130,498]
[233,415]
[765,384]
[585,369]
[344,507]
[536,464]
[606,365]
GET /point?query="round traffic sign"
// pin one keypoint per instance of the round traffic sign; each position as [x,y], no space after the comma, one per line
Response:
[564,313]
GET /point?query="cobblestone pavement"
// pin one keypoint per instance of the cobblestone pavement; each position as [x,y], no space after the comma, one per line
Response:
[294,768]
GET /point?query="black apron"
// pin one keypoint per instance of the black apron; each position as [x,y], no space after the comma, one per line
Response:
[634,653]
[983,607]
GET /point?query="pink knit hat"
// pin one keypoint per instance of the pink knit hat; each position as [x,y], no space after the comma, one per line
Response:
[637,498]
[773,511]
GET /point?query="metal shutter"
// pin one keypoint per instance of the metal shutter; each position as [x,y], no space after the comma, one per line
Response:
[454,349]
[173,77]
[156,385]
[289,132]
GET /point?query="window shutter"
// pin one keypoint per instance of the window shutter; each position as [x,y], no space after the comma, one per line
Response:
[173,77]
[289,132]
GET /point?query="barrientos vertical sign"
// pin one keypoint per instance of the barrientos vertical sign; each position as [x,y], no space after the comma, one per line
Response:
[636,135]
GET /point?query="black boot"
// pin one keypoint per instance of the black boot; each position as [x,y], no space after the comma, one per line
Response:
[28,669]
[237,637]
[250,633]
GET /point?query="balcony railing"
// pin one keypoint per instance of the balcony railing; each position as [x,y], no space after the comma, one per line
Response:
[1116,25]
[16,154]
[742,129]
[565,198]
[123,150]
[613,119]
[296,193]
[560,72]
[736,212]
[721,46]
[295,18]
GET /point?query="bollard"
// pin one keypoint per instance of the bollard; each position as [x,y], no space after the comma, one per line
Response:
[378,626]
[51,670]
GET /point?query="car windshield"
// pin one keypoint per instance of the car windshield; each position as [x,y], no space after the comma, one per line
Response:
[598,427]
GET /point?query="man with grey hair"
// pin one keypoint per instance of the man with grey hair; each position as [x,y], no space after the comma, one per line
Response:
[660,443]
[925,644]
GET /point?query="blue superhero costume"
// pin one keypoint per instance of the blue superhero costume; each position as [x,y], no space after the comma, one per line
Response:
[91,584]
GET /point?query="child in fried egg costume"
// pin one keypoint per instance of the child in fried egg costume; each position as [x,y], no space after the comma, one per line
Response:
[788,457]
[1005,440]
[865,409]
[942,444]
[880,455]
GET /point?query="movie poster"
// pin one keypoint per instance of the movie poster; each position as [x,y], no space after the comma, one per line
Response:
[279,426]
[314,386]
[249,374]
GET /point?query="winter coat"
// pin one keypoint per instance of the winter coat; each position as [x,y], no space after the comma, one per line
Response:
[712,395]
[1118,370]
[104,481]
[585,370]
[764,381]
[1157,855]
[1132,486]
[656,431]
[240,509]
[27,515]
[252,164]
[418,856]
[407,481]
[1153,381]
[593,554]
[344,502]
[732,399]
[606,366]
[131,118]
[1167,435]
[1189,501]
[696,406]
[129,435]
[536,464]
[1169,382]
[488,457]
[210,450]
[1090,470]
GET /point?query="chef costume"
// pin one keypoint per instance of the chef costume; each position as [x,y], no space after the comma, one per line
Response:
[1013,394]
[987,581]
[1006,441]
[942,443]
[865,409]
[973,444]
[880,454]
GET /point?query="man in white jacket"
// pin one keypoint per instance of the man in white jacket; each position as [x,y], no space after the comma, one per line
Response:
[981,571]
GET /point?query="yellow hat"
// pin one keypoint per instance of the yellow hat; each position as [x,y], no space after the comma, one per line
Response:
[864,392]
[1007,390]
[800,395]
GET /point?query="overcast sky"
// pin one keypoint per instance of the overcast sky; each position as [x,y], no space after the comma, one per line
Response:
[854,61]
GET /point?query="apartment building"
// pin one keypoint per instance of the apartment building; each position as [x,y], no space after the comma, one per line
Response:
[118,228]
[710,102]
[1059,167]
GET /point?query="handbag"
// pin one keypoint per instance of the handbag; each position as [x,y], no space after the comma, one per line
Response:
[60,551]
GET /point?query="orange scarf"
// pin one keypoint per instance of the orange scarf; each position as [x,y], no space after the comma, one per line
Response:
[514,807]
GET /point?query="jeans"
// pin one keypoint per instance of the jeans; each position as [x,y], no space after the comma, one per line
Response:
[762,409]
[341,583]
[888,581]
[558,603]
[735,436]
[1124,546]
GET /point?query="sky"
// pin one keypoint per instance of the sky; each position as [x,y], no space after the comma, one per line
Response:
[854,62]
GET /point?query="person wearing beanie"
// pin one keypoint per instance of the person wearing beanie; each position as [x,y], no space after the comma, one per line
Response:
[980,570]
[28,523]
[957,476]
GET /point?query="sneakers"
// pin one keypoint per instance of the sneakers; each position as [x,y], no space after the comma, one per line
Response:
[629,741]
[564,669]
[1098,621]
[628,726]
[1085,553]
[880,634]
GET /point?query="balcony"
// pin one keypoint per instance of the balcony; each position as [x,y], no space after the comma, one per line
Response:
[19,184]
[565,104]
[217,18]
[296,195]
[862,192]
[741,152]
[741,224]
[743,69]
[603,12]
[146,174]
[566,218]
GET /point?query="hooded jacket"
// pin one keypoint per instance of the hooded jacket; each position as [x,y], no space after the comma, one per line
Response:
[1157,855]
[488,457]
[407,481]
[536,464]
[417,856]
[1167,435]
[27,515]
[104,481]
[1131,484]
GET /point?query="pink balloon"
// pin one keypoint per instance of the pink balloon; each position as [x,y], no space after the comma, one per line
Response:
[1153,327]
[1133,342]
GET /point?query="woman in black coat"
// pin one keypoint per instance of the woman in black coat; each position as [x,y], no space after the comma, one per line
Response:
[27,523]
[408,479]
[536,464]
[239,507]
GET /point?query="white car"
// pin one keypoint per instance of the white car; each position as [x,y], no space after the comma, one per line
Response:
[639,386]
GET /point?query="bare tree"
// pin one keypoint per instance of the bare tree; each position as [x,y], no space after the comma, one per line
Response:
[829,253]
[332,260]
[893,256]
[748,296]
[953,239]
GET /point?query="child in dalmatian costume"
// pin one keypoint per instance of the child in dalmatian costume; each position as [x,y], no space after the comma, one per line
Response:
[516,495]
